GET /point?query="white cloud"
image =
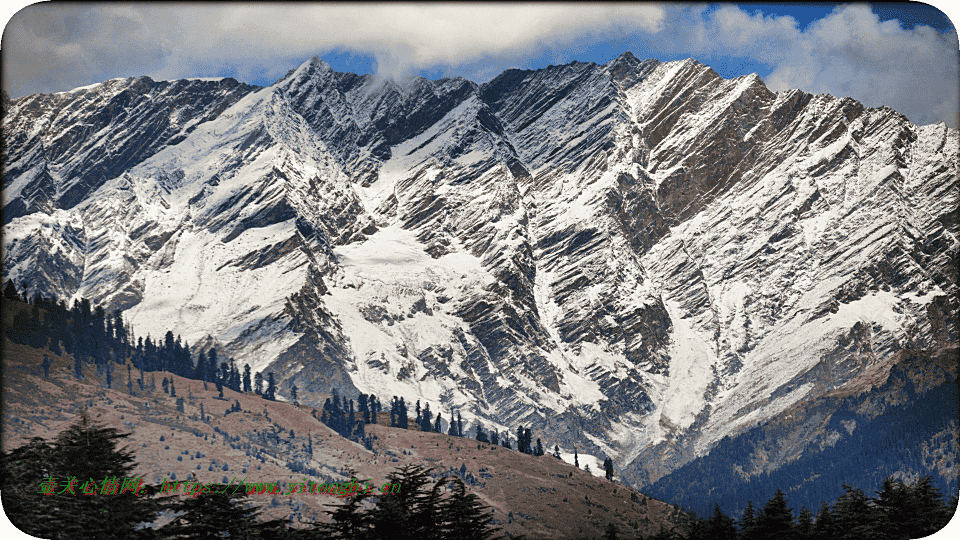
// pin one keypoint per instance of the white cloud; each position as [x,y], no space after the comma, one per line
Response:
[851,53]
[52,47]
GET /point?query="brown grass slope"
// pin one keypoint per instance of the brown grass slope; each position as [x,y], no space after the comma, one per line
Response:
[540,497]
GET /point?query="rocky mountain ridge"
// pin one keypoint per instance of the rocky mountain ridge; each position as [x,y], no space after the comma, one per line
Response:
[640,257]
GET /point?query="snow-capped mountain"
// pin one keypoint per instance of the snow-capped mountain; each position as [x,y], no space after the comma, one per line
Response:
[635,259]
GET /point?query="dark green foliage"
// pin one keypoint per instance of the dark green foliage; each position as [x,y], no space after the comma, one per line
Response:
[246,378]
[776,521]
[804,529]
[481,434]
[81,453]
[417,512]
[856,516]
[216,515]
[271,393]
[607,467]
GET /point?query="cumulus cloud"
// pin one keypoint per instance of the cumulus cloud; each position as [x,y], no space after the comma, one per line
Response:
[53,47]
[851,53]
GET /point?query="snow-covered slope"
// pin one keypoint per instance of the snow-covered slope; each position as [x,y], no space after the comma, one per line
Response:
[637,258]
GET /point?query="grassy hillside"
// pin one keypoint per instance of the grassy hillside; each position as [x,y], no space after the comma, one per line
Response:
[540,497]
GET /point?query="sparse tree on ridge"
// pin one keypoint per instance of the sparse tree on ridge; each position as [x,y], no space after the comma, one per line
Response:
[246,378]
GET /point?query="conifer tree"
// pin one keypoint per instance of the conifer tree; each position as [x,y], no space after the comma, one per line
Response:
[748,523]
[481,435]
[556,451]
[459,425]
[576,458]
[347,519]
[271,393]
[10,291]
[293,392]
[465,517]
[826,525]
[258,383]
[437,426]
[804,530]
[216,514]
[84,456]
[855,515]
[495,437]
[608,468]
[538,450]
[426,419]
[776,520]
[402,420]
[246,378]
[419,420]
[363,408]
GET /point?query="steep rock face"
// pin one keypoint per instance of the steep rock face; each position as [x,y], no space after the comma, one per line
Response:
[637,258]
[61,147]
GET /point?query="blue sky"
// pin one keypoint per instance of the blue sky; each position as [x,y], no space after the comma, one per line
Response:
[901,55]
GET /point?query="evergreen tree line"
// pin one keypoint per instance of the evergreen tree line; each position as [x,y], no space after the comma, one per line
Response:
[95,338]
[44,486]
[900,511]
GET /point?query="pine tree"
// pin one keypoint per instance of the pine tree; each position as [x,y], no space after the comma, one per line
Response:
[437,426]
[748,523]
[576,458]
[271,393]
[200,373]
[83,452]
[293,392]
[719,526]
[46,364]
[10,291]
[556,451]
[425,416]
[347,519]
[402,421]
[213,514]
[481,435]
[932,515]
[776,520]
[419,420]
[608,467]
[258,383]
[414,512]
[246,378]
[826,525]
[364,408]
[856,516]
[465,517]
[538,450]
[804,529]
[495,437]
